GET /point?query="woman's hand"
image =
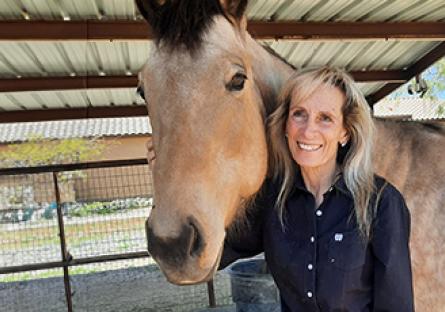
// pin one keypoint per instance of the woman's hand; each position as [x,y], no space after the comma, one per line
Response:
[151,156]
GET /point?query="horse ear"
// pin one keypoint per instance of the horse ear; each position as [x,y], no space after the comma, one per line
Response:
[148,8]
[234,8]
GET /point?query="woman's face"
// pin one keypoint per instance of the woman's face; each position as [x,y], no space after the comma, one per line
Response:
[315,127]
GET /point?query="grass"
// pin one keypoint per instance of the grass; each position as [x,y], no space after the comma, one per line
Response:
[27,276]
[89,234]
[75,234]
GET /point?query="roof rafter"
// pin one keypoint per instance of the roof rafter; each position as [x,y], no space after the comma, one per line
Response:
[95,82]
[72,113]
[67,83]
[139,30]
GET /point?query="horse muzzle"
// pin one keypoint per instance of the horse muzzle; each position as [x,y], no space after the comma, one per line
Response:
[179,257]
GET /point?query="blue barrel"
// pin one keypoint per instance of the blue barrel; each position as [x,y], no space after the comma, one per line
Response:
[253,288]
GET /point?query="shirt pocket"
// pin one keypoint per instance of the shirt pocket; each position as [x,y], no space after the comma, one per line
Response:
[347,250]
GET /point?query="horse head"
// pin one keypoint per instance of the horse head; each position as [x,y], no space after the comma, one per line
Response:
[206,104]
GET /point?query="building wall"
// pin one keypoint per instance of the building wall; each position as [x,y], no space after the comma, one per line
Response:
[126,147]
[99,184]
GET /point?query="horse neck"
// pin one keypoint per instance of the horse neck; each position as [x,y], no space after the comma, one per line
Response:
[270,73]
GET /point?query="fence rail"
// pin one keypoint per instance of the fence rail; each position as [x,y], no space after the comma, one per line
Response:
[63,211]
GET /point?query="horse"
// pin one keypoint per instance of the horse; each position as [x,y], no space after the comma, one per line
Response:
[209,87]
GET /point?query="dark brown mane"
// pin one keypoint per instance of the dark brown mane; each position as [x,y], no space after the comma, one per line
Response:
[180,24]
[431,126]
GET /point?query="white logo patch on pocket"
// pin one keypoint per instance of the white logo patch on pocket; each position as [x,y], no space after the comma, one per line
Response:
[338,237]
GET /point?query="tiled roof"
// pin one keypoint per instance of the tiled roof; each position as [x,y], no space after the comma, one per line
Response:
[80,128]
[411,109]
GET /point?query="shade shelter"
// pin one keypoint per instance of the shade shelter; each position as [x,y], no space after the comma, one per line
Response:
[66,59]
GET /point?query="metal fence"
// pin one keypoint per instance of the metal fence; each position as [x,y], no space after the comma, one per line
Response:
[72,238]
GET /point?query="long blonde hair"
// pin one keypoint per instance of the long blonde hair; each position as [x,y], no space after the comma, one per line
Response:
[356,165]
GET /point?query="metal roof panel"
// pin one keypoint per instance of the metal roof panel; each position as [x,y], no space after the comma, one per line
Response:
[81,128]
[37,59]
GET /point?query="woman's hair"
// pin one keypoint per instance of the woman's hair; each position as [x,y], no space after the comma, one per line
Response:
[355,164]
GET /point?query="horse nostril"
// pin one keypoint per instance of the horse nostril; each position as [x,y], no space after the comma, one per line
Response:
[196,241]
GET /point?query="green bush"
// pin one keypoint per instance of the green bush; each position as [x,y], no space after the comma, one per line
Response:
[104,208]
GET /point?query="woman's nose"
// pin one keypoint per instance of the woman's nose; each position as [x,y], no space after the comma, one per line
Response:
[309,128]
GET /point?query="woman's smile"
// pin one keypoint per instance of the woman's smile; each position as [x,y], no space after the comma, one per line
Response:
[307,147]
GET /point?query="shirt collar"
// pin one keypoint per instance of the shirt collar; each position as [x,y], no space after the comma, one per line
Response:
[339,184]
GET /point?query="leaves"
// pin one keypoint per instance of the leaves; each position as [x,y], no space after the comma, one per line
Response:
[39,151]
[435,79]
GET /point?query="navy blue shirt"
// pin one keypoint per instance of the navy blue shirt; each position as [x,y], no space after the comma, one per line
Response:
[320,261]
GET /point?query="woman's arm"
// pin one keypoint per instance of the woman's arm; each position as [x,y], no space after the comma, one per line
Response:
[245,237]
[393,289]
[244,240]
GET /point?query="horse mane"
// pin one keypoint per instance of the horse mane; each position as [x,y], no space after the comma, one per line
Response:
[434,127]
[179,23]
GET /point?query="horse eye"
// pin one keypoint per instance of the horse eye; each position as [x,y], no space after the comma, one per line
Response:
[237,82]
[140,92]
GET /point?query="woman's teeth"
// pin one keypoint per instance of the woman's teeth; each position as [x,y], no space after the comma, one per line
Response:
[308,147]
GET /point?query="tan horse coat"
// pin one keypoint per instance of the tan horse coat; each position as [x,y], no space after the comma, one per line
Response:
[211,152]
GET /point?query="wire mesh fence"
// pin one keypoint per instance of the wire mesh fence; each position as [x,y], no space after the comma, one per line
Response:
[73,238]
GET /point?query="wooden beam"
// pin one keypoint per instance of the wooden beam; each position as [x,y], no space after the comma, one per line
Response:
[417,68]
[347,30]
[382,92]
[106,82]
[74,30]
[380,76]
[72,113]
[67,83]
[139,30]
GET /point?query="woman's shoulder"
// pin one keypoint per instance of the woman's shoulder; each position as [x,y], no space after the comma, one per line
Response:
[388,201]
[385,190]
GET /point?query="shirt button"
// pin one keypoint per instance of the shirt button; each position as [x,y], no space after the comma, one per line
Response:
[309,294]
[319,213]
[312,239]
[310,266]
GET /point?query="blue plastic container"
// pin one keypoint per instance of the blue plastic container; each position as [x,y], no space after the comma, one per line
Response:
[253,288]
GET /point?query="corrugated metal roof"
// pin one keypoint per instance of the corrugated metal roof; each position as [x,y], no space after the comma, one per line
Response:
[347,10]
[353,55]
[75,10]
[81,128]
[307,10]
[80,58]
[413,109]
[40,59]
[69,98]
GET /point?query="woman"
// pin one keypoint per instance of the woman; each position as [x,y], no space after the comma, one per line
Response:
[335,237]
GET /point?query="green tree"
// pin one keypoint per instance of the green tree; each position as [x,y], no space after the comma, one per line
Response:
[37,151]
[435,79]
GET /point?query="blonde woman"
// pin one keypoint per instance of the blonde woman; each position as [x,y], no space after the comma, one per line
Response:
[335,237]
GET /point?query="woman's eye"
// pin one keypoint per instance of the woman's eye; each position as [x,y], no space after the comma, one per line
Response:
[326,118]
[140,92]
[237,82]
[298,114]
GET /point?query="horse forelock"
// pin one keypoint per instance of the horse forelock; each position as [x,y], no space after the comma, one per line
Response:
[182,24]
